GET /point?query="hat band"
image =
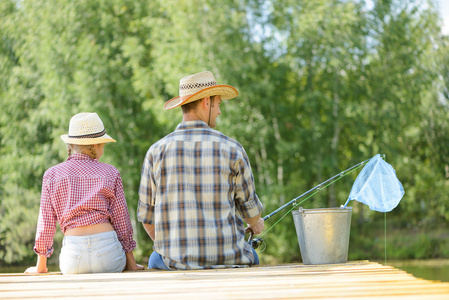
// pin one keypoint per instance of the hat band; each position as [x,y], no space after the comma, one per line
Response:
[89,136]
[196,85]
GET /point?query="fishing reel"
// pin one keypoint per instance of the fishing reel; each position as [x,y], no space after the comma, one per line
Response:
[256,242]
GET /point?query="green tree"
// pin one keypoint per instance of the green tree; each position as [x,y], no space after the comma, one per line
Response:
[323,85]
[73,57]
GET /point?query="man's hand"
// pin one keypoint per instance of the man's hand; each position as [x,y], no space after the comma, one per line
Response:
[257,227]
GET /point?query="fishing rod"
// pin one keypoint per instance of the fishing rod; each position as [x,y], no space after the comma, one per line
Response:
[255,243]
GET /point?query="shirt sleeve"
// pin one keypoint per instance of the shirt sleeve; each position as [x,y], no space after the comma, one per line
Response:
[120,217]
[245,191]
[46,225]
[147,193]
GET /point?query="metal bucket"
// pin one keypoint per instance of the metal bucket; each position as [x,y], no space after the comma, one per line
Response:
[323,234]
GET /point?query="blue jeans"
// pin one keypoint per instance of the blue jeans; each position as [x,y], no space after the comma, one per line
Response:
[156,262]
[96,253]
[256,257]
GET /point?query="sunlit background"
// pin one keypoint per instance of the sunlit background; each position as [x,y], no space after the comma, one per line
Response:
[323,86]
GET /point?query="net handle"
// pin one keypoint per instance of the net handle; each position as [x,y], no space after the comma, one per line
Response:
[318,187]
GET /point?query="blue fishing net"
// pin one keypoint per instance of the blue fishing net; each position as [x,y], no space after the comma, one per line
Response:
[377,186]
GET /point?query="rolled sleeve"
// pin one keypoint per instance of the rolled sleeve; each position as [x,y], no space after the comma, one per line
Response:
[120,218]
[252,208]
[46,225]
[247,201]
[145,213]
[147,192]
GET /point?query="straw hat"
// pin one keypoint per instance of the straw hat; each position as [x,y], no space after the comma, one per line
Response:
[86,129]
[199,86]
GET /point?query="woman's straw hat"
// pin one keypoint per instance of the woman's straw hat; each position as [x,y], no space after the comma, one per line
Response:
[86,129]
[199,86]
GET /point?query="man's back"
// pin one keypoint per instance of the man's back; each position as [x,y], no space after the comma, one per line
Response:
[196,188]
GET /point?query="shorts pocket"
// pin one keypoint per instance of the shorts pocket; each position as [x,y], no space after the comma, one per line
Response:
[112,259]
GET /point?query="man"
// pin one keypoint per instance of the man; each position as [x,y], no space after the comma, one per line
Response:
[197,187]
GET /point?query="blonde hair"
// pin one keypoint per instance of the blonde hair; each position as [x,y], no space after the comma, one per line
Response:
[84,149]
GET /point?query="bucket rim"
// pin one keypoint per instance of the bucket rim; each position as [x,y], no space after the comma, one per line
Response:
[321,210]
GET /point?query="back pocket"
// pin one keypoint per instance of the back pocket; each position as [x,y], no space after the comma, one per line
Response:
[69,261]
[112,258]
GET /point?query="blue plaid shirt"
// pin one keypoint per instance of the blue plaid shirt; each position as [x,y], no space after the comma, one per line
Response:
[196,188]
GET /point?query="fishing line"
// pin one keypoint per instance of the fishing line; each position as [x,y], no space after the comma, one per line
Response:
[264,246]
[385,236]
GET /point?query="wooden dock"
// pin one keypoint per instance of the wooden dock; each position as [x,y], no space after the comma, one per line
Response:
[352,280]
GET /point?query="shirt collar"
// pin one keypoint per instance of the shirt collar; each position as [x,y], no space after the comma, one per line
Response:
[80,156]
[192,125]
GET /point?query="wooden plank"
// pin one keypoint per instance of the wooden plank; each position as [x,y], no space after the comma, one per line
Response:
[294,281]
[219,292]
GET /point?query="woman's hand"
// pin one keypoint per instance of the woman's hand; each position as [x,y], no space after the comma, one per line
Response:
[135,267]
[131,264]
[35,270]
[41,266]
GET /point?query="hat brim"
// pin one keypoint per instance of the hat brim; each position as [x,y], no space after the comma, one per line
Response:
[225,91]
[88,141]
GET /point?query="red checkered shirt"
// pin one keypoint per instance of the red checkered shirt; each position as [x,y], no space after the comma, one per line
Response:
[79,192]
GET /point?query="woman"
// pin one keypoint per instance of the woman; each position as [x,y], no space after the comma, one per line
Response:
[86,198]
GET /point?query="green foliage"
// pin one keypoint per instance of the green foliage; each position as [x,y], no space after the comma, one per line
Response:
[323,85]
[403,240]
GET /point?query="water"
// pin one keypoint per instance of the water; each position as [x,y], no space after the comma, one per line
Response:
[430,269]
[21,269]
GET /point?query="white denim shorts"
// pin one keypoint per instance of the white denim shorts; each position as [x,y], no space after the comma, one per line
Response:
[96,253]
